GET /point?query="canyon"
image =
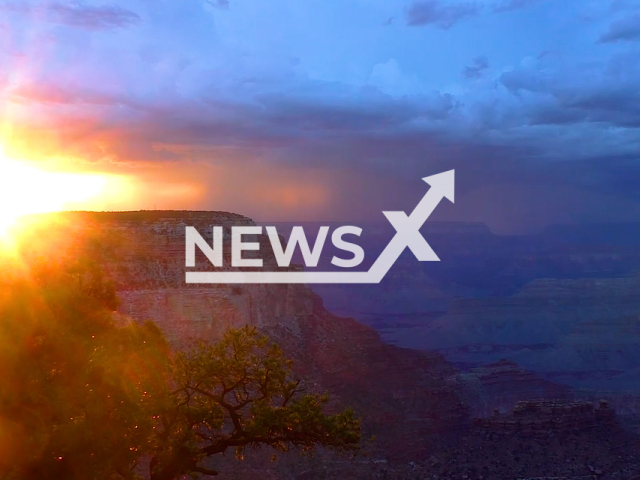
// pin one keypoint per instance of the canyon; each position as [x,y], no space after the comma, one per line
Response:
[465,320]
[564,303]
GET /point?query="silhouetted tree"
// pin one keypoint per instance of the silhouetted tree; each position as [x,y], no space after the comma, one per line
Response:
[238,393]
[86,394]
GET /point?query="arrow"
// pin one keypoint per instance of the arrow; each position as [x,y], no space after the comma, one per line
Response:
[442,186]
[408,228]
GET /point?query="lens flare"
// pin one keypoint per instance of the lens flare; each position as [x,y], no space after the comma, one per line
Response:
[25,189]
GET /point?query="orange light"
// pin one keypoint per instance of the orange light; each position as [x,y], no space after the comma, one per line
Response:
[25,189]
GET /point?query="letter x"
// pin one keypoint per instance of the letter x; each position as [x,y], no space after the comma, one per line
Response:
[408,229]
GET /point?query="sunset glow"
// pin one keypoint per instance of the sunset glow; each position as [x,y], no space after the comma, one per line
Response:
[25,189]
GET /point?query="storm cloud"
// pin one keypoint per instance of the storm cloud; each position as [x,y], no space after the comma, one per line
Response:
[476,68]
[245,92]
[625,29]
[77,14]
[441,14]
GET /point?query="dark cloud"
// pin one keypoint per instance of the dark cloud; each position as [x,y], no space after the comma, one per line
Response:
[364,115]
[476,69]
[547,98]
[555,115]
[388,138]
[440,14]
[551,123]
[625,29]
[103,17]
[272,121]
[219,3]
[509,5]
[525,79]
[614,104]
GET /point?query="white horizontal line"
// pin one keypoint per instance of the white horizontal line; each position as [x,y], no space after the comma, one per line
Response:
[281,277]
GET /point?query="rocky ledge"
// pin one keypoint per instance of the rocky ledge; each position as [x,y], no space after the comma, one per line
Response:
[548,418]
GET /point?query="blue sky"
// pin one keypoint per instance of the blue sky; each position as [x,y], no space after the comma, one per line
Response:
[308,110]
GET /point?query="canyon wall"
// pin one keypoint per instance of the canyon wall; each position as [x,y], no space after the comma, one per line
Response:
[416,407]
[406,398]
[144,254]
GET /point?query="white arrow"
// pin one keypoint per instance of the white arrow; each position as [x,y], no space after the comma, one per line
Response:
[408,228]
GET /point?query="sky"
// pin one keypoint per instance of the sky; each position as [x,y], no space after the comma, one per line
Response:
[312,110]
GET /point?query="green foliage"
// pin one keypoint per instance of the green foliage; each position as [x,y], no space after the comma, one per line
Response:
[85,394]
[238,394]
[84,276]
[76,389]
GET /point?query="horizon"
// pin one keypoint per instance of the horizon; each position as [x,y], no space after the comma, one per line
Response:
[365,223]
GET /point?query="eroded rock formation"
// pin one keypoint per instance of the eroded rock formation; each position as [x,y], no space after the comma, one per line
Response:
[405,397]
[546,418]
[415,403]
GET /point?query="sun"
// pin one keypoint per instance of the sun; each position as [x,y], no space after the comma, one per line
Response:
[25,189]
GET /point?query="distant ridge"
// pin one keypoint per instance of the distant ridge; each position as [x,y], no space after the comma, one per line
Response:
[627,233]
[140,215]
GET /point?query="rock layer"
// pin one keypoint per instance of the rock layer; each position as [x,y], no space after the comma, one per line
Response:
[405,397]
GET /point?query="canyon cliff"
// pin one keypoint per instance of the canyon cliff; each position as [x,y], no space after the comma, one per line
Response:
[416,407]
[409,400]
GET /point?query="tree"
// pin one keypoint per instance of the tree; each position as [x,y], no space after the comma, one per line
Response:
[76,389]
[238,394]
[85,396]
